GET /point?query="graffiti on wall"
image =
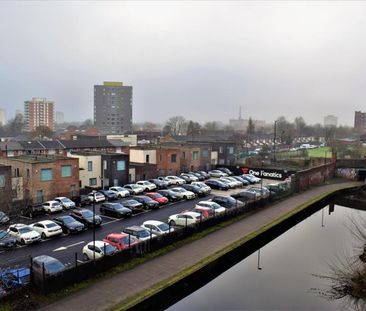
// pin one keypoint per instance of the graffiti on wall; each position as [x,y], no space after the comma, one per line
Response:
[348,173]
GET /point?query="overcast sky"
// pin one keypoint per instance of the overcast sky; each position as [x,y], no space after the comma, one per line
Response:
[201,60]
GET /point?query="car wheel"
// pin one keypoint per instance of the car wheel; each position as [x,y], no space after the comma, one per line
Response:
[85,257]
[43,236]
[172,223]
[22,242]
[184,198]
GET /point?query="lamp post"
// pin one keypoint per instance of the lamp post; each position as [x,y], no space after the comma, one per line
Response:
[259,259]
[274,141]
[94,227]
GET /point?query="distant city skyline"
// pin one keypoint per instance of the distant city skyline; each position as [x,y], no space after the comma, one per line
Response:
[200,60]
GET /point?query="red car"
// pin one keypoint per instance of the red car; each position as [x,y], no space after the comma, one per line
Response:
[157,197]
[120,240]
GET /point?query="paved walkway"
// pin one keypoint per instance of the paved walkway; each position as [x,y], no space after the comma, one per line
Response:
[112,291]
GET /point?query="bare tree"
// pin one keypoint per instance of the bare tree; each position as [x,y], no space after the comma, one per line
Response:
[177,125]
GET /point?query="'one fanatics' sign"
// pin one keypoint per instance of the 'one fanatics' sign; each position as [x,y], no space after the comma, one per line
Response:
[267,173]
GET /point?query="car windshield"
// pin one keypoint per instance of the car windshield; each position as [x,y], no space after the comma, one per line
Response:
[3,234]
[118,206]
[215,206]
[87,214]
[163,227]
[54,266]
[128,240]
[157,196]
[143,233]
[51,225]
[118,188]
[24,230]
[68,220]
[66,200]
[108,249]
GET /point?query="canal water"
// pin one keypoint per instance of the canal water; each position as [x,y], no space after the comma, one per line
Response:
[280,276]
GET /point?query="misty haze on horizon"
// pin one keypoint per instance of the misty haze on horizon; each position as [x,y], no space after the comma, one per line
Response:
[200,60]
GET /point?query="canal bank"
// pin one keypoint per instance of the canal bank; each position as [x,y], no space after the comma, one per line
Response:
[179,272]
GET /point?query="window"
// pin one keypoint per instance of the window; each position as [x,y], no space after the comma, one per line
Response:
[72,190]
[90,166]
[173,158]
[39,196]
[221,150]
[66,170]
[92,181]
[46,174]
[195,155]
[2,181]
[121,165]
[231,150]
[183,154]
[204,153]
[147,158]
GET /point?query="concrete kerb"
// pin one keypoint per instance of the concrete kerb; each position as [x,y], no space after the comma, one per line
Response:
[139,298]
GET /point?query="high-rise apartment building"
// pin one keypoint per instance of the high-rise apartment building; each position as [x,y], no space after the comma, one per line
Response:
[38,112]
[2,117]
[360,121]
[113,108]
[60,117]
[330,121]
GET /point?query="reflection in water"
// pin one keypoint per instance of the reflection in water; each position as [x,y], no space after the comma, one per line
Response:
[280,276]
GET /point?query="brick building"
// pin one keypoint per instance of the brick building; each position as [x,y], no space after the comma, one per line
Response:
[38,112]
[5,189]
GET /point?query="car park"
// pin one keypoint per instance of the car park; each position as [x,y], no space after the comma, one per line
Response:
[133,205]
[175,180]
[47,228]
[216,184]
[87,217]
[140,233]
[109,195]
[225,170]
[216,208]
[160,184]
[120,191]
[146,201]
[96,196]
[24,234]
[134,189]
[171,195]
[184,219]
[195,189]
[117,210]
[148,186]
[227,201]
[65,202]
[157,227]
[69,224]
[217,174]
[82,200]
[121,240]
[44,266]
[98,249]
[157,197]
[52,207]
[4,219]
[6,240]
[186,195]
[32,210]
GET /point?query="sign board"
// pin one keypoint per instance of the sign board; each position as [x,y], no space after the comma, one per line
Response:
[267,173]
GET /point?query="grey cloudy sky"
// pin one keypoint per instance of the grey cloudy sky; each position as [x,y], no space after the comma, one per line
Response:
[197,59]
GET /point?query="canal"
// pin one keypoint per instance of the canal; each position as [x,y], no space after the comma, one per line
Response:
[280,276]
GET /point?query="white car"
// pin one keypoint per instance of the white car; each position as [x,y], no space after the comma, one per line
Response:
[24,234]
[97,250]
[185,218]
[65,202]
[134,189]
[148,186]
[47,228]
[120,191]
[237,182]
[217,208]
[184,193]
[175,180]
[217,173]
[201,185]
[157,227]
[96,197]
[52,206]
[229,182]
[169,182]
[192,177]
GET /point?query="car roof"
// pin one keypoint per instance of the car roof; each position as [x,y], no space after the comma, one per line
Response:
[139,228]
[117,235]
[194,214]
[44,222]
[153,222]
[44,258]
[98,243]
[58,198]
[52,201]
[207,202]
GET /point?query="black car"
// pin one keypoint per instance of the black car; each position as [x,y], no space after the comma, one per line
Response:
[171,195]
[225,170]
[109,195]
[198,175]
[85,216]
[216,184]
[133,205]
[83,200]
[187,178]
[204,174]
[147,202]
[6,240]
[242,180]
[227,201]
[32,210]
[245,196]
[195,189]
[69,224]
[160,184]
[115,210]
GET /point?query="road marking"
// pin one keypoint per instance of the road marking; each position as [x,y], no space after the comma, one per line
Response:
[62,248]
[25,217]
[78,243]
[104,216]
[80,261]
[109,222]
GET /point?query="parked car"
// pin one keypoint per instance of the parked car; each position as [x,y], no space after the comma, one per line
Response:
[227,201]
[262,192]
[45,265]
[171,195]
[82,200]
[217,173]
[133,205]
[169,182]
[216,184]
[230,183]
[142,234]
[218,209]
[6,240]
[47,228]
[204,174]
[69,224]
[186,178]
[225,170]
[175,180]
[207,189]
[4,219]
[24,234]
[134,189]
[148,186]
[186,195]
[157,197]
[206,212]
[66,203]
[198,175]
[192,176]
[98,249]
[185,218]
[96,196]
[32,210]
[245,196]
[146,201]
[52,207]
[120,191]
[157,227]
[195,189]
[241,179]
[251,178]
[238,182]
[109,195]
[160,184]
[121,240]
[87,217]
[117,210]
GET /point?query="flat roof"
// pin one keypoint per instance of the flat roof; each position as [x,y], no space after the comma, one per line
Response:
[38,158]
